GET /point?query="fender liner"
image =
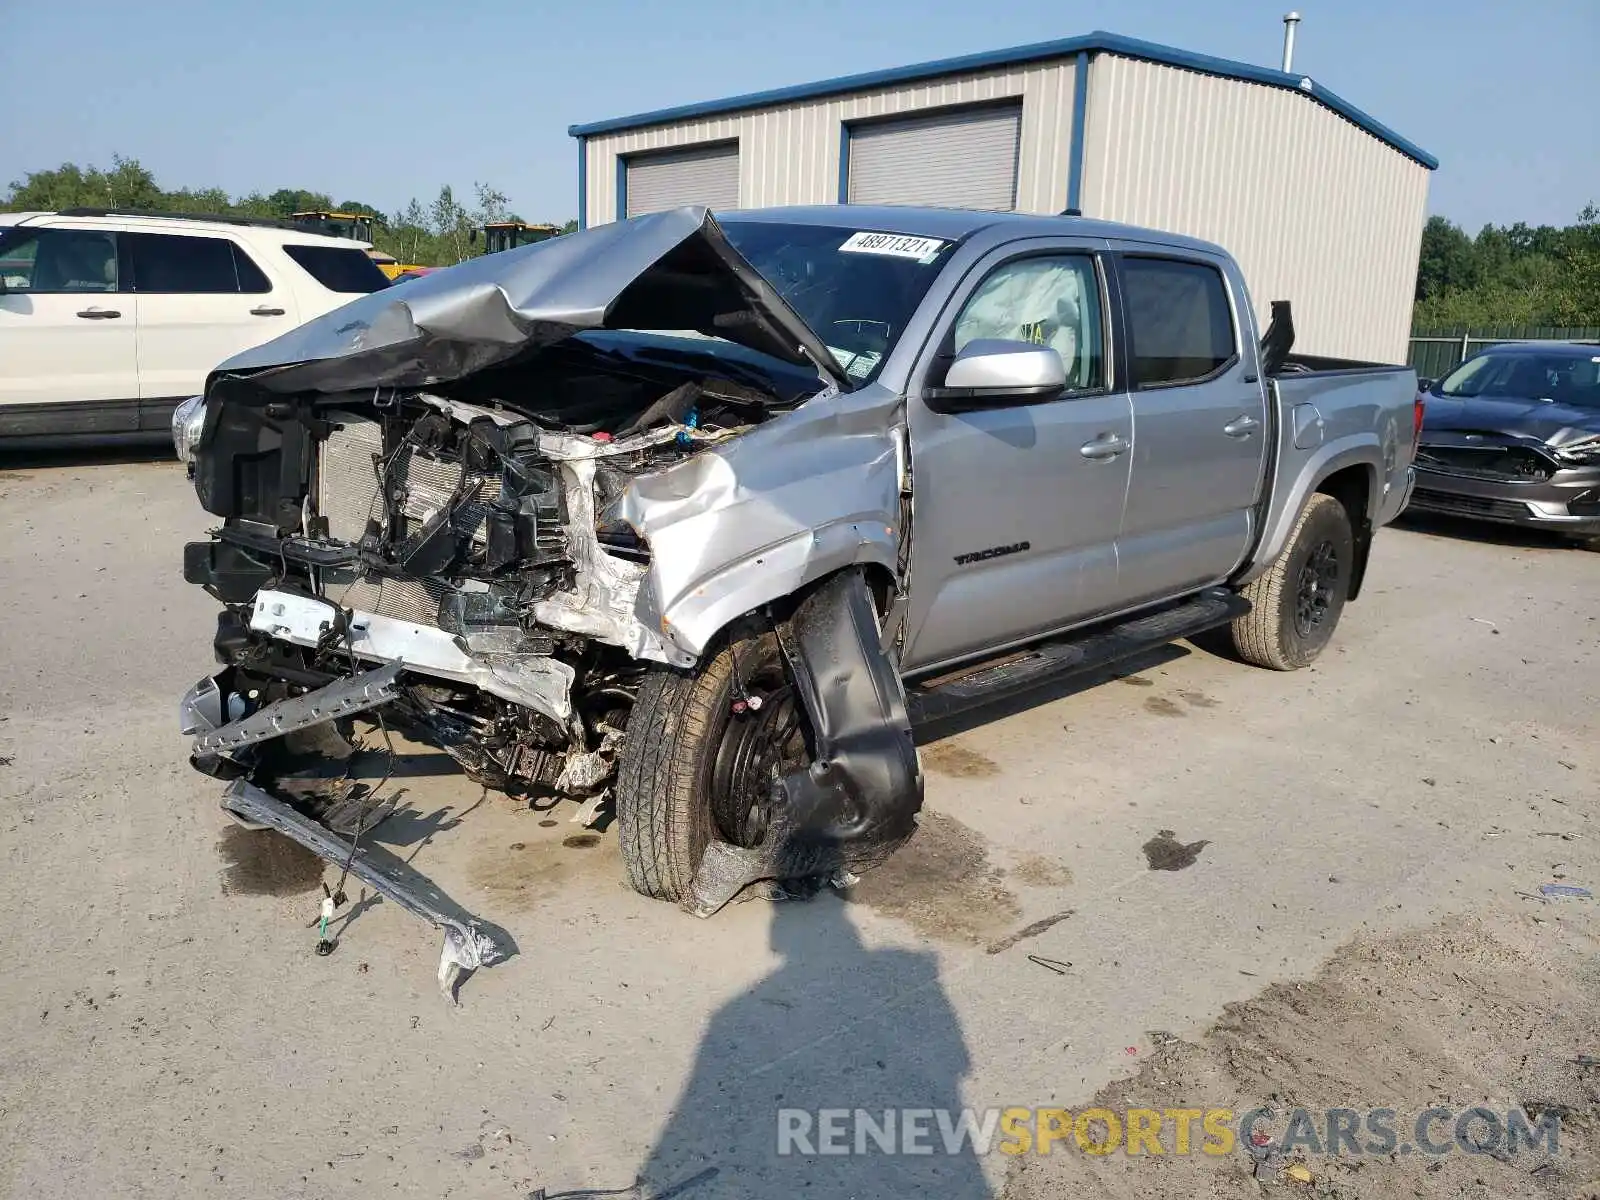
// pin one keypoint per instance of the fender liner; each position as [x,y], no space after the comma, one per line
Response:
[857,801]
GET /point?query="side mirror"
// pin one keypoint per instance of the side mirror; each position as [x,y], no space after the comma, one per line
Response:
[1425,385]
[994,373]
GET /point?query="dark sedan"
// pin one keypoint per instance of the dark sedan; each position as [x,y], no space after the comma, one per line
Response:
[1513,435]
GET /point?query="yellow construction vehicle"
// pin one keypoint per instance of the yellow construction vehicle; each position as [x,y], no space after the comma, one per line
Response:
[356,226]
[508,235]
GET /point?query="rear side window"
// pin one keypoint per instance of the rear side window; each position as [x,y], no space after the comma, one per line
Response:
[339,270]
[59,260]
[177,264]
[1179,323]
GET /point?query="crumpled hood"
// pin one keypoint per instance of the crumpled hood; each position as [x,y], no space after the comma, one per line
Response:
[1552,424]
[669,270]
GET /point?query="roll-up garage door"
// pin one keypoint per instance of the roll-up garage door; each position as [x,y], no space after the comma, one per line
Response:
[964,159]
[706,175]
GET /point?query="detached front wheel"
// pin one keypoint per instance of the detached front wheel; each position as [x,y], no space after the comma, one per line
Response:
[702,750]
[1298,601]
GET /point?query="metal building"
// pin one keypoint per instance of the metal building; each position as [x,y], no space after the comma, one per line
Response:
[1321,204]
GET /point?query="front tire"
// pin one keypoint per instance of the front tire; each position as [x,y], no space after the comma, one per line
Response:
[692,768]
[1298,601]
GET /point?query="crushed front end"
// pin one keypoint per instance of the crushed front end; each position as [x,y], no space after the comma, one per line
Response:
[482,512]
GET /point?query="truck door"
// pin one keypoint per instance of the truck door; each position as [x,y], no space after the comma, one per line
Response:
[1017,505]
[1199,422]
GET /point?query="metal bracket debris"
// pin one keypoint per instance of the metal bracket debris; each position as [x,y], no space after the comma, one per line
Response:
[466,946]
[343,698]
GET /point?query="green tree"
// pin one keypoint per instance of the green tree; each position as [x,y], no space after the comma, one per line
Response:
[1509,275]
[287,201]
[1579,255]
[1447,262]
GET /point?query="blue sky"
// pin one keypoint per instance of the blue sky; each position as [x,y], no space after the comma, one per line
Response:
[384,100]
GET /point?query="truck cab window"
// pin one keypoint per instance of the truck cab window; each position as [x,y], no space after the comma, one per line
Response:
[1051,301]
[1179,323]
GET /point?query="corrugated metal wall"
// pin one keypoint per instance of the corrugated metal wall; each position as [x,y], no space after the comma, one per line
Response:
[789,154]
[1316,210]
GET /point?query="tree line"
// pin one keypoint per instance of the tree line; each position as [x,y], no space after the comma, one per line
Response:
[435,234]
[1510,274]
[1506,275]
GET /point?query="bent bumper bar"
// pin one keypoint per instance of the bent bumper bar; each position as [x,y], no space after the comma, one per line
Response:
[342,698]
[466,945]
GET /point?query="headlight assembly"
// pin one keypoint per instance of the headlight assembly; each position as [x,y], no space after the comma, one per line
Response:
[188,419]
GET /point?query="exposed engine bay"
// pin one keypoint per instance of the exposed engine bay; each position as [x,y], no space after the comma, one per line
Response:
[480,546]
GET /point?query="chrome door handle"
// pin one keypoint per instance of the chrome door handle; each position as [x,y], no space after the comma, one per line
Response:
[1107,445]
[266,312]
[99,314]
[1241,427]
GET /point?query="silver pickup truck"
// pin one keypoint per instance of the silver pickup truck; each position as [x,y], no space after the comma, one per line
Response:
[693,518]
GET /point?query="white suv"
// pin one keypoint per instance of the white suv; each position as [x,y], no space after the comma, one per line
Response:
[109,319]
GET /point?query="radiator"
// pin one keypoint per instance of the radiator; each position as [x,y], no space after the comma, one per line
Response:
[415,600]
[349,494]
[347,477]
[349,487]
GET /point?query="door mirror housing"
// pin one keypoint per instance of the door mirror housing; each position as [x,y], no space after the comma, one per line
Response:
[997,373]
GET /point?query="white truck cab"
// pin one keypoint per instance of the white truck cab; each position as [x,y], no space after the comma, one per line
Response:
[108,318]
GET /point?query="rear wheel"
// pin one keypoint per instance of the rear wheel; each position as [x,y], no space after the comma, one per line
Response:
[702,750]
[1298,601]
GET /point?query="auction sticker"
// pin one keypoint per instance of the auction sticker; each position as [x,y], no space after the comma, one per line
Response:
[896,245]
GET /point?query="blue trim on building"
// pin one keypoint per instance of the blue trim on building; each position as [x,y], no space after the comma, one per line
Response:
[583,183]
[622,189]
[844,162]
[1096,42]
[1080,106]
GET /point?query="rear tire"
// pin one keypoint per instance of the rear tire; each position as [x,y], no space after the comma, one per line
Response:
[1298,601]
[691,769]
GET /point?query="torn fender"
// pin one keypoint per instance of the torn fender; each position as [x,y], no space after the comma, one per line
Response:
[759,518]
[857,801]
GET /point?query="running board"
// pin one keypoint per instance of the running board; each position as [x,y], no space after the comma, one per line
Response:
[984,683]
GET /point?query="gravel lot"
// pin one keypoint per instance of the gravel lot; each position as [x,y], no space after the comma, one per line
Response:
[1349,915]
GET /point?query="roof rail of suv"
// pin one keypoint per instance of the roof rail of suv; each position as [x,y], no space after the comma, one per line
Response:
[214,218]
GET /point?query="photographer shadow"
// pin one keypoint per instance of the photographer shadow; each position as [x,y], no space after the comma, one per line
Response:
[835,1026]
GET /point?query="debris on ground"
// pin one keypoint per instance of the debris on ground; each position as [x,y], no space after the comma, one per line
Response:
[1565,891]
[1049,964]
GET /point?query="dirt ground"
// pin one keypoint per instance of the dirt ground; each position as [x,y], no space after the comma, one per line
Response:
[1183,884]
[1495,1010]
